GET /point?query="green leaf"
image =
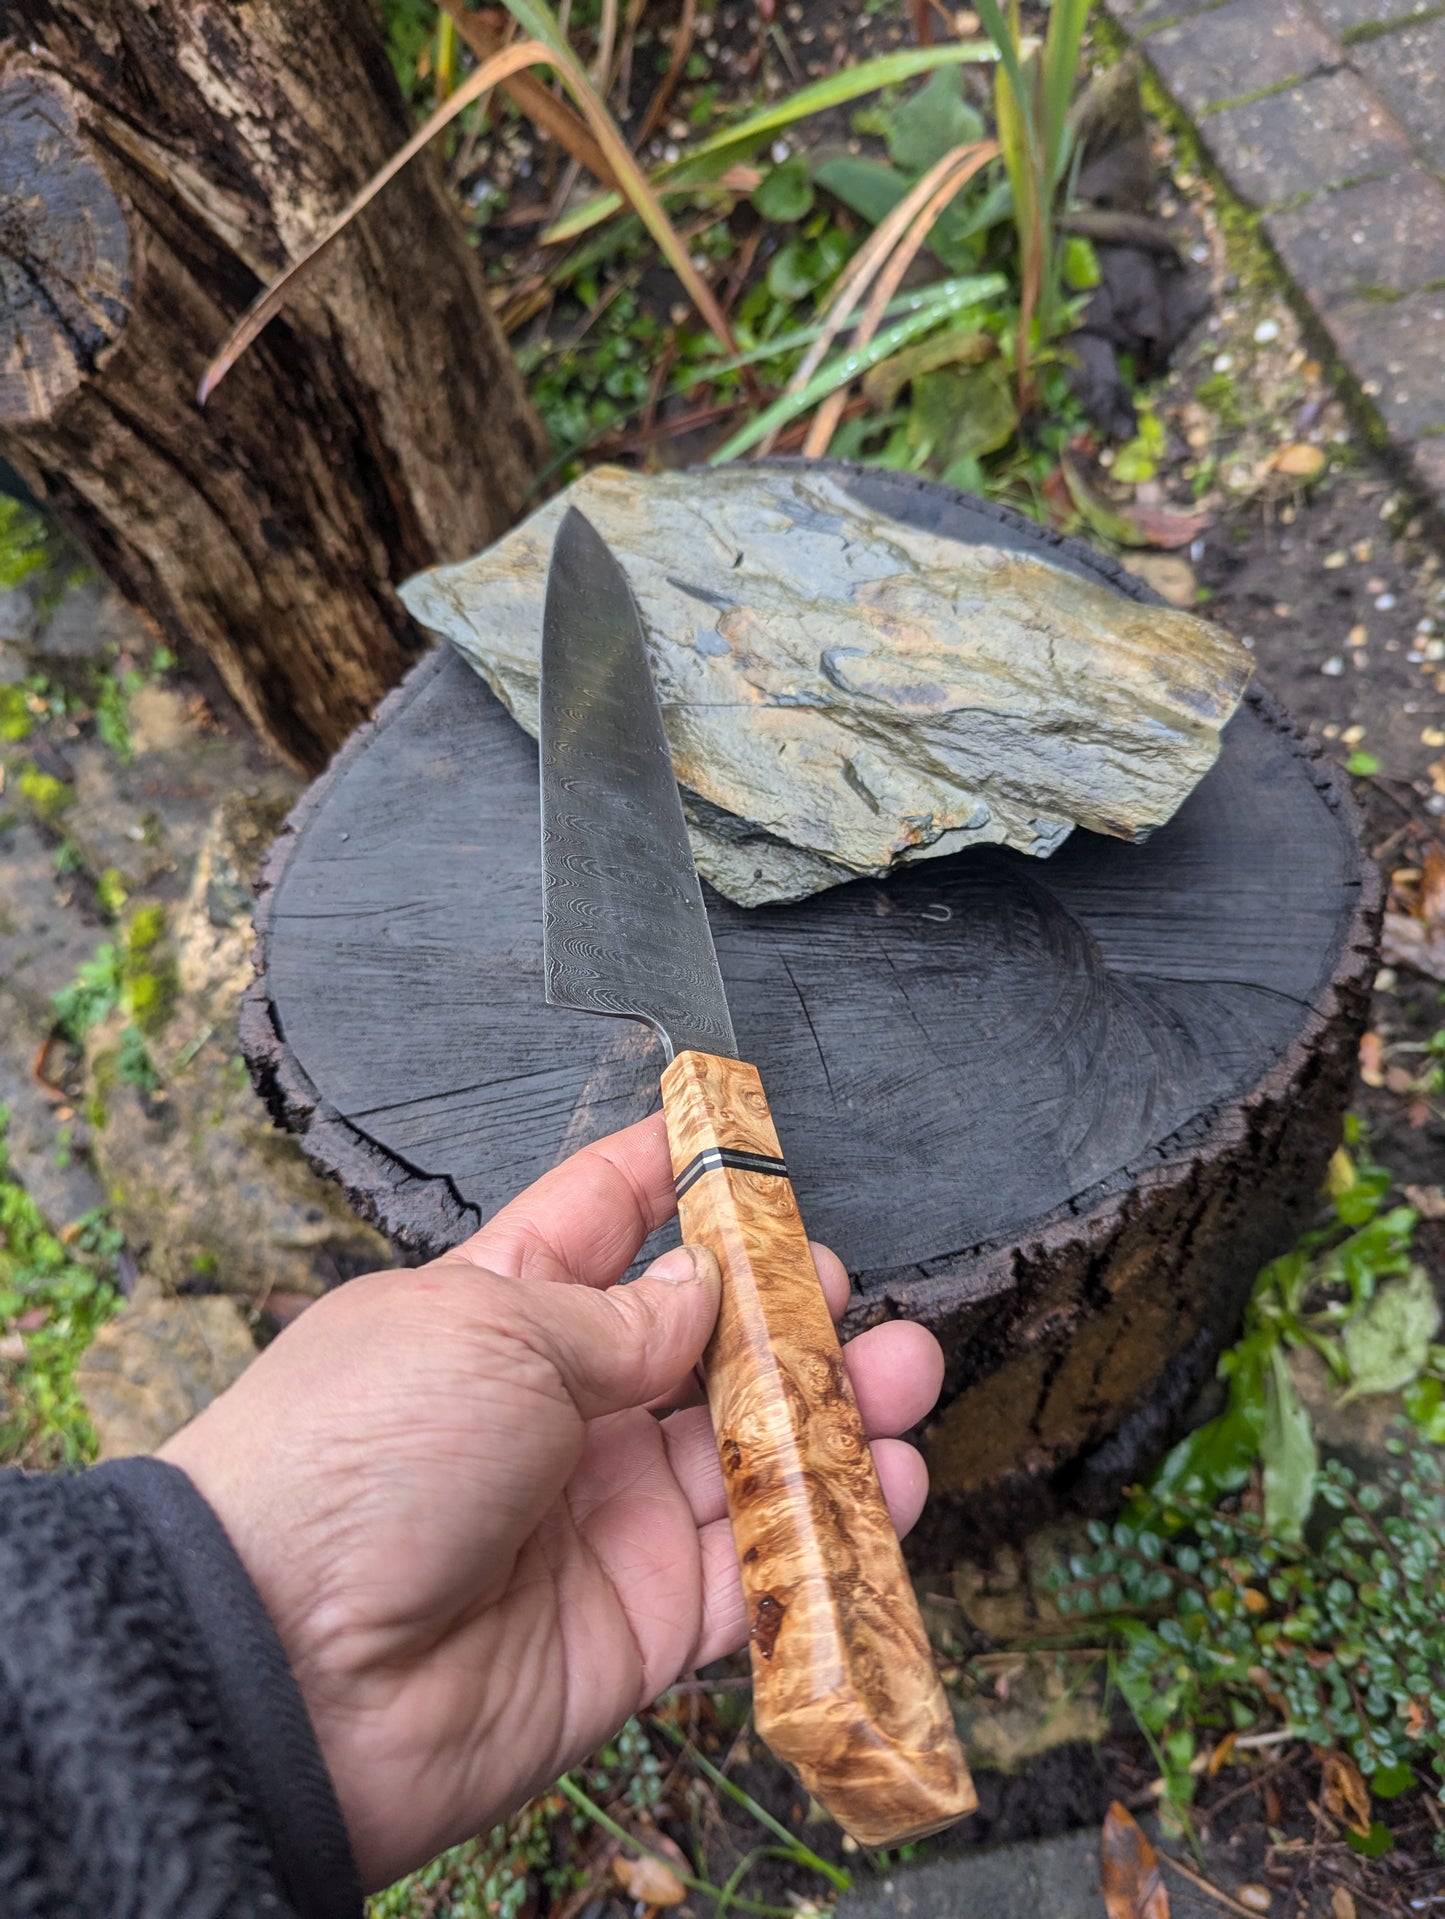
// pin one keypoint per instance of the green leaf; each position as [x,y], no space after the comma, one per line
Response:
[1287,1449]
[962,414]
[1388,1343]
[1373,1844]
[1132,464]
[714,156]
[867,187]
[931,122]
[795,270]
[1388,1782]
[1362,764]
[1081,264]
[845,367]
[1425,1403]
[786,192]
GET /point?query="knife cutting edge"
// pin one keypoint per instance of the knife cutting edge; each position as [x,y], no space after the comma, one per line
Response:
[845,1688]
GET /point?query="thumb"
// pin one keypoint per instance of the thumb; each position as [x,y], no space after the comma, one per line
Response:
[631,1344]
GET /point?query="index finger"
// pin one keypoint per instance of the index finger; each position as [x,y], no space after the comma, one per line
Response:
[585,1220]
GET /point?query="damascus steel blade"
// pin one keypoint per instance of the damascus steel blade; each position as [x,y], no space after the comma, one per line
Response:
[625,930]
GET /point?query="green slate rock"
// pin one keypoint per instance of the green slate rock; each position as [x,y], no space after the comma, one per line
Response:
[844,694]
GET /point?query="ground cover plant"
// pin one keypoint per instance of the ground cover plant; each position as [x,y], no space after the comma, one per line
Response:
[909,305]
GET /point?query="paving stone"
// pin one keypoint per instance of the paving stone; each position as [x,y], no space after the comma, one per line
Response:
[1145,16]
[1040,1879]
[1322,134]
[51,1168]
[1240,49]
[1407,69]
[1387,235]
[157,1364]
[42,940]
[1343,17]
[1394,352]
[89,622]
[147,819]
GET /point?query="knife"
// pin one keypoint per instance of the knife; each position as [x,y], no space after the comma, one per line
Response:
[844,1685]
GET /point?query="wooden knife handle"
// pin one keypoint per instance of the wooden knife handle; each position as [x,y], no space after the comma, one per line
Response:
[845,1689]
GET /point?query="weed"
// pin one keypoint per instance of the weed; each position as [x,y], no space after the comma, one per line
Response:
[63,1291]
[1229,1603]
[559,1844]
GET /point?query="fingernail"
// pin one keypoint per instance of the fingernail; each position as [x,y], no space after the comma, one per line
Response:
[675,1268]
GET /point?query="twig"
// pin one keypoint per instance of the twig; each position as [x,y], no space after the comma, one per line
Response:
[1207,1813]
[667,86]
[1198,1879]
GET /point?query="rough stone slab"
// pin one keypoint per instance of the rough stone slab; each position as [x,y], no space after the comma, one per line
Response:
[157,1364]
[1292,145]
[1040,1879]
[1347,16]
[1384,236]
[1407,70]
[844,693]
[1395,353]
[1238,50]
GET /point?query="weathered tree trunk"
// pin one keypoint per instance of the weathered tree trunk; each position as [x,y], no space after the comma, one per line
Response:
[159,161]
[1060,1111]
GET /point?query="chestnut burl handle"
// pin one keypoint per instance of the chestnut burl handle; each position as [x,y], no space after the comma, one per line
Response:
[845,1689]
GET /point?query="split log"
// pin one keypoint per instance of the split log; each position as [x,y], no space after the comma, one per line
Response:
[1059,1111]
[160,161]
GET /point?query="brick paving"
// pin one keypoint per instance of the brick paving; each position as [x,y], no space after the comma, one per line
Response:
[1328,118]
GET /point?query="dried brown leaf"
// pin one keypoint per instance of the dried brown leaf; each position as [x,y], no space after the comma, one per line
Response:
[1429,1203]
[1416,943]
[1371,1069]
[1129,1869]
[1254,1897]
[1343,1792]
[649,1880]
[1432,887]
[1300,461]
[1219,1758]
[1342,1903]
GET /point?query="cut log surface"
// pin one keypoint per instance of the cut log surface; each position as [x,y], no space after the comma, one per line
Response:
[1059,1111]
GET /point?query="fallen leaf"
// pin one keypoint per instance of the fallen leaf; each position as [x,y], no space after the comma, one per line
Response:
[1342,1904]
[649,1880]
[1428,1201]
[1301,461]
[1253,1897]
[1415,1721]
[1220,1756]
[1419,1113]
[1371,1071]
[1344,1793]
[1418,944]
[1432,887]
[1399,1081]
[1129,1869]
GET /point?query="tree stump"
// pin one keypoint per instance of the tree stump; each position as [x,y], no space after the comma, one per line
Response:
[160,161]
[1058,1111]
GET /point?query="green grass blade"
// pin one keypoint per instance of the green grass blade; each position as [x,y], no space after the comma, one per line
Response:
[937,295]
[837,1876]
[844,367]
[1061,62]
[704,163]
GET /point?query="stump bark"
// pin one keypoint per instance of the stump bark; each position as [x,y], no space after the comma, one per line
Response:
[160,160]
[1058,1111]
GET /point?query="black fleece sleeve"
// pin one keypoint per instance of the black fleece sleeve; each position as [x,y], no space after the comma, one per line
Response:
[156,1759]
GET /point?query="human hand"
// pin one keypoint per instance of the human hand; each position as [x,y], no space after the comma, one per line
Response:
[481,1546]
